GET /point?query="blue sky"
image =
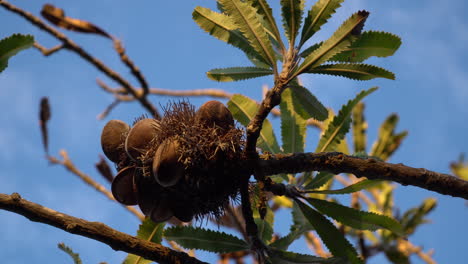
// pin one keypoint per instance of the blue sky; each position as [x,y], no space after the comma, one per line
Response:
[429,95]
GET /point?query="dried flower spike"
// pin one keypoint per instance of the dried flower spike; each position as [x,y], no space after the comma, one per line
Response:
[113,138]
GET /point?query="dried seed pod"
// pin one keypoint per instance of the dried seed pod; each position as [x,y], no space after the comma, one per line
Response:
[161,211]
[214,113]
[123,186]
[183,210]
[139,137]
[113,139]
[167,169]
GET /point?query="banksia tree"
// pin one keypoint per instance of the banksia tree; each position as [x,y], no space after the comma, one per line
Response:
[222,161]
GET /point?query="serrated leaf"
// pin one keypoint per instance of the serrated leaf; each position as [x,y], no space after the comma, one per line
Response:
[306,104]
[221,27]
[318,15]
[264,10]
[149,231]
[360,72]
[244,17]
[198,238]
[310,49]
[265,230]
[359,129]
[338,128]
[368,44]
[415,216]
[293,125]
[387,142]
[339,41]
[351,188]
[355,218]
[335,241]
[284,242]
[319,180]
[291,12]
[460,168]
[76,257]
[285,257]
[237,73]
[11,45]
[244,109]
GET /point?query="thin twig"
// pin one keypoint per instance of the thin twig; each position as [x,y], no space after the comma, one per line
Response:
[336,162]
[314,244]
[47,52]
[72,46]
[94,230]
[108,109]
[68,164]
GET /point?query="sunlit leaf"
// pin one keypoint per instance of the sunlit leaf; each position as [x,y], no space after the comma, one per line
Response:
[266,12]
[361,72]
[11,45]
[237,73]
[359,129]
[318,15]
[285,257]
[306,104]
[416,216]
[355,218]
[293,125]
[198,238]
[265,230]
[319,180]
[460,168]
[338,128]
[149,231]
[75,257]
[387,141]
[368,44]
[335,241]
[244,109]
[244,17]
[291,12]
[364,184]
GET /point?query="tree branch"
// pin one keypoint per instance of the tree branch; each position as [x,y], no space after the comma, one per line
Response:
[94,230]
[336,162]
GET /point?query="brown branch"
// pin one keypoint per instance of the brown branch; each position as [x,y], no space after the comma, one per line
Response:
[336,162]
[72,46]
[94,230]
[47,52]
[68,164]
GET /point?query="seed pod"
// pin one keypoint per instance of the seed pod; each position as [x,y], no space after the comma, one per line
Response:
[113,139]
[123,186]
[167,169]
[139,137]
[161,211]
[215,113]
[183,210]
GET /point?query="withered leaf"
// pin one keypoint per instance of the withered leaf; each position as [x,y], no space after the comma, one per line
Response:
[44,116]
[104,169]
[57,17]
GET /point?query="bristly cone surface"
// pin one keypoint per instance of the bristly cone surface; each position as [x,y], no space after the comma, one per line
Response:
[208,152]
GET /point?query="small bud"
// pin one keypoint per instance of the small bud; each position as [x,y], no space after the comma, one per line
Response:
[167,169]
[113,138]
[123,186]
[139,137]
[214,113]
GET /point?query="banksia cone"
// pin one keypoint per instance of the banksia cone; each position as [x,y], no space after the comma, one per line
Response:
[182,165]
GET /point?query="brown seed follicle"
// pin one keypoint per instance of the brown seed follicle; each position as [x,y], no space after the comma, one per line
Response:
[215,113]
[167,169]
[140,136]
[113,138]
[123,186]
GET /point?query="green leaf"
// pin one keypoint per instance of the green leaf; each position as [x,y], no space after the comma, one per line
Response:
[76,257]
[361,72]
[293,125]
[339,41]
[335,241]
[198,238]
[264,10]
[368,44]
[284,242]
[291,12]
[265,230]
[415,216]
[310,49]
[149,231]
[318,15]
[460,168]
[221,27]
[338,128]
[244,109]
[318,181]
[359,129]
[285,257]
[351,188]
[237,73]
[306,104]
[355,218]
[11,45]
[388,141]
[244,17]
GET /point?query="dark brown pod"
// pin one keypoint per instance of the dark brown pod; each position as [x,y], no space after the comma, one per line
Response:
[167,169]
[139,137]
[113,139]
[161,211]
[214,113]
[183,211]
[123,186]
